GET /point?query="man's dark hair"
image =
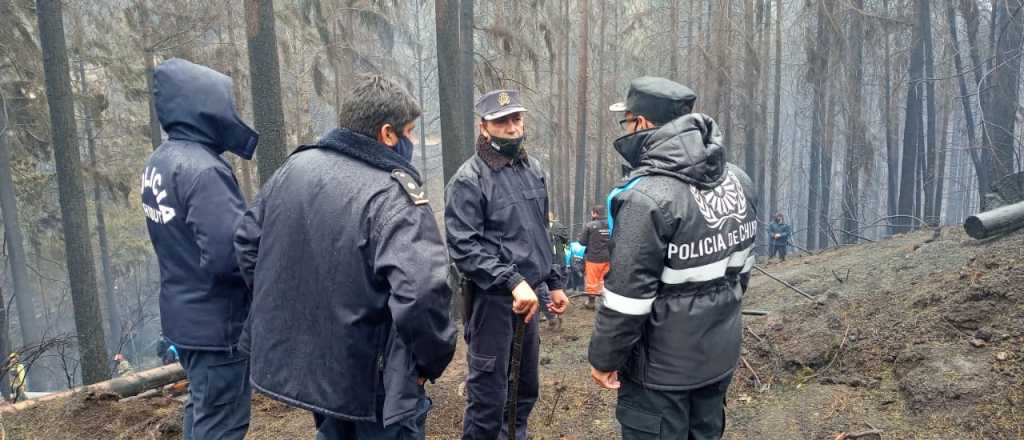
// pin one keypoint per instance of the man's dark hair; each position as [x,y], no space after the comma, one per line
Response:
[598,209]
[375,101]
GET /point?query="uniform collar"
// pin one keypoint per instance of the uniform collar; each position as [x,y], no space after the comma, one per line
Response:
[493,158]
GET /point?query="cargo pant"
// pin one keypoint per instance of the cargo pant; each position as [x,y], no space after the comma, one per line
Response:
[219,394]
[489,334]
[647,414]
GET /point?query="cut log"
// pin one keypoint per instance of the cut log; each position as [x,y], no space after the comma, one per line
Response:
[998,221]
[125,386]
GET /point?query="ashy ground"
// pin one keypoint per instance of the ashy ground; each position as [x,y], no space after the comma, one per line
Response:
[916,337]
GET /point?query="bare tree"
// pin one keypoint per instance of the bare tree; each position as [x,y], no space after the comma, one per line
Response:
[266,85]
[24,294]
[453,83]
[857,151]
[77,246]
[579,202]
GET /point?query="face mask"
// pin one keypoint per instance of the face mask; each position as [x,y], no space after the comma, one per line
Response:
[246,141]
[631,146]
[507,147]
[404,148]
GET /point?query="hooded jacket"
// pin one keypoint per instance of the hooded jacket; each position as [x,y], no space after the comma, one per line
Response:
[191,201]
[682,236]
[496,219]
[349,276]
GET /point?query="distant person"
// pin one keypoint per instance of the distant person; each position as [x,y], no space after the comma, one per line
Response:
[574,264]
[18,377]
[595,266]
[683,228]
[124,367]
[166,351]
[191,201]
[779,233]
[349,274]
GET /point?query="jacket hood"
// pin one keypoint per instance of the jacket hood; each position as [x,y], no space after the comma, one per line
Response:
[195,103]
[364,149]
[688,148]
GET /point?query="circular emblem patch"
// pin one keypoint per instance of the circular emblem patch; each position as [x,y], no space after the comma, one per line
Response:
[504,99]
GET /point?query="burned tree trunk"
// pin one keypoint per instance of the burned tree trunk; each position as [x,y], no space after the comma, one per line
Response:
[456,138]
[856,151]
[1006,84]
[913,141]
[602,106]
[24,295]
[579,199]
[113,313]
[773,173]
[77,246]
[266,86]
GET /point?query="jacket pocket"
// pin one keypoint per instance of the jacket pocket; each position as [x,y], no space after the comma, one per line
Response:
[638,424]
[225,381]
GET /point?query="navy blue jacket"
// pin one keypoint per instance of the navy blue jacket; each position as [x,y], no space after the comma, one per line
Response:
[191,201]
[496,219]
[349,276]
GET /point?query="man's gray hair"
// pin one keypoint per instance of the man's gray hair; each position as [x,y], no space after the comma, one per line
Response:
[375,101]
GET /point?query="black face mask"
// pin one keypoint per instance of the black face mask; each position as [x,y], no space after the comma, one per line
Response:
[631,146]
[508,147]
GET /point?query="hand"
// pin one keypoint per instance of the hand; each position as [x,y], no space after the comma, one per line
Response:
[421,380]
[606,379]
[524,301]
[559,302]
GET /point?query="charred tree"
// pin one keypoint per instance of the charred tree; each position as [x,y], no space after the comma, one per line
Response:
[266,86]
[913,130]
[77,246]
[857,154]
[579,199]
[453,83]
[106,267]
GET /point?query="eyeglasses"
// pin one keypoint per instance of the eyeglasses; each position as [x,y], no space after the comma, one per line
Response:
[624,123]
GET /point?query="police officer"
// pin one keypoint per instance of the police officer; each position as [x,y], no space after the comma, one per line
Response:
[191,201]
[350,294]
[682,235]
[496,218]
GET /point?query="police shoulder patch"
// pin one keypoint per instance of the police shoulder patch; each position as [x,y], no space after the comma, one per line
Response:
[415,192]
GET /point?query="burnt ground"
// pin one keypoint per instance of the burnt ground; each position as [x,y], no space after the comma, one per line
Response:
[919,339]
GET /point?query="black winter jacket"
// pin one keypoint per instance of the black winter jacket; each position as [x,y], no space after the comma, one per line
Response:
[682,238]
[595,238]
[496,219]
[349,276]
[191,201]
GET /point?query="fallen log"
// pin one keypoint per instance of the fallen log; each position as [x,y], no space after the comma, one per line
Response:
[125,386]
[998,221]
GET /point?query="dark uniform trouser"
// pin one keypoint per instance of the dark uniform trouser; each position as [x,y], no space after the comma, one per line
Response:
[489,333]
[219,394]
[777,250]
[647,414]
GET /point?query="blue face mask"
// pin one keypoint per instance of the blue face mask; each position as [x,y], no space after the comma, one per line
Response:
[404,148]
